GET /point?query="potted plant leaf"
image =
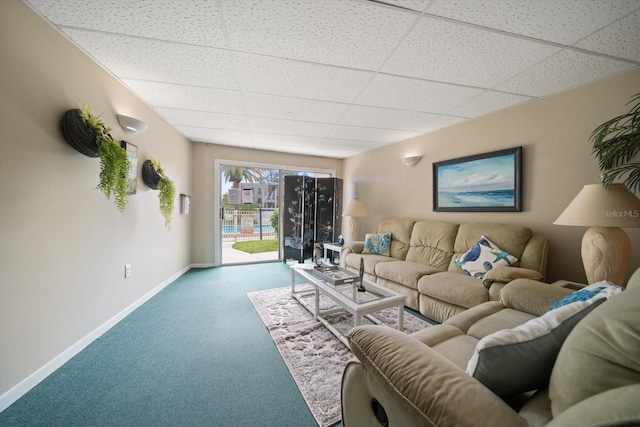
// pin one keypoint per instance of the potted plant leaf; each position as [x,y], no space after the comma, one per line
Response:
[616,144]
[155,177]
[85,131]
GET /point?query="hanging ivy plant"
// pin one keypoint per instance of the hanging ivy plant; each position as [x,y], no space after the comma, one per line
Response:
[155,177]
[96,140]
[114,171]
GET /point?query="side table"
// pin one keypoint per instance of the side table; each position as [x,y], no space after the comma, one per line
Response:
[333,247]
[574,286]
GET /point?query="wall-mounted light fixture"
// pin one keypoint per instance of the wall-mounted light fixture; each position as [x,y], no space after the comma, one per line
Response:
[131,125]
[411,160]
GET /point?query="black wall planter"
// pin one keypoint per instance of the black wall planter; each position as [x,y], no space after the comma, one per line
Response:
[149,175]
[78,134]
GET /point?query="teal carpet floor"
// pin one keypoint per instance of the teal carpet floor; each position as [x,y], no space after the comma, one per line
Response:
[197,354]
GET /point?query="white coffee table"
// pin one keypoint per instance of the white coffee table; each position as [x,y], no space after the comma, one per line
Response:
[346,296]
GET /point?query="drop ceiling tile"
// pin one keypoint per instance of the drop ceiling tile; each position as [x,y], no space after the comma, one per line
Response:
[487,102]
[439,123]
[346,33]
[194,22]
[564,22]
[413,94]
[187,97]
[351,145]
[563,71]
[621,39]
[387,118]
[465,55]
[289,127]
[336,153]
[417,5]
[293,108]
[204,119]
[370,134]
[136,58]
[211,135]
[261,74]
[286,140]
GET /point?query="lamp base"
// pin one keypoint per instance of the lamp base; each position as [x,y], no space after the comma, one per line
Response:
[354,229]
[605,254]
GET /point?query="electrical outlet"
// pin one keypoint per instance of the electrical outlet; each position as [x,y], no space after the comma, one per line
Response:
[127,271]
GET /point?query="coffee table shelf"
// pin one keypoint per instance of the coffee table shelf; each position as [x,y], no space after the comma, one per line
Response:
[346,296]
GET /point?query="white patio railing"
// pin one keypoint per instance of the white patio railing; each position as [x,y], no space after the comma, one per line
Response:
[240,226]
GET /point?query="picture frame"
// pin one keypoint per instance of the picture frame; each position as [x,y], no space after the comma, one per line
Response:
[488,182]
[132,154]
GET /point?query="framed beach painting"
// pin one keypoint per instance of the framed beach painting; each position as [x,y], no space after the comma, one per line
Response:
[489,182]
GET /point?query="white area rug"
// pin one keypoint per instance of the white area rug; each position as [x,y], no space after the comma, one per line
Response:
[314,356]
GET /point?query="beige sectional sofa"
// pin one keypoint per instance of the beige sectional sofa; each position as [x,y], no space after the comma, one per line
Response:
[588,375]
[421,263]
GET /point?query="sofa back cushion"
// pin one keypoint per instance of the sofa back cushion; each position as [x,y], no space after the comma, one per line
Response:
[432,243]
[602,353]
[510,238]
[400,230]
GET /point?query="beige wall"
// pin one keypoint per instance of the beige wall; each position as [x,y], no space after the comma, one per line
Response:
[204,182]
[557,161]
[63,245]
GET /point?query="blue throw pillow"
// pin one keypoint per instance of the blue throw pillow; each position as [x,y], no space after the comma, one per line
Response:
[604,287]
[378,244]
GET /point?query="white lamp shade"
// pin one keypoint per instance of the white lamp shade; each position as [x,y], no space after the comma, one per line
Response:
[596,205]
[355,209]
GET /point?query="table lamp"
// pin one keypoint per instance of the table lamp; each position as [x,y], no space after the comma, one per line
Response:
[605,246]
[355,209]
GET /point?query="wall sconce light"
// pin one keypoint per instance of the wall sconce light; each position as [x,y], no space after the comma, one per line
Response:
[131,125]
[411,160]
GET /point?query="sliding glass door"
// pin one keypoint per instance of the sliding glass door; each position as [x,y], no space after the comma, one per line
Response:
[249,197]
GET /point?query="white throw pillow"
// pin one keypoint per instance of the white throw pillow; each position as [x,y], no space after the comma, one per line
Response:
[517,360]
[482,257]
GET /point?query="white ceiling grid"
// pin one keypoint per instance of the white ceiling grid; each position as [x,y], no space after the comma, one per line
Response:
[337,77]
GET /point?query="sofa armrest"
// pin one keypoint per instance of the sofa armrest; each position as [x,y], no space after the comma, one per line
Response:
[615,407]
[351,247]
[507,274]
[531,296]
[418,376]
[356,246]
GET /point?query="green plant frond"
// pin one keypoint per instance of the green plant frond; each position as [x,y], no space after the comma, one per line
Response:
[616,143]
[166,195]
[114,171]
[631,181]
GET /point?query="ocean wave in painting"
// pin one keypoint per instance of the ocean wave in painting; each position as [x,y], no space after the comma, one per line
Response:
[468,199]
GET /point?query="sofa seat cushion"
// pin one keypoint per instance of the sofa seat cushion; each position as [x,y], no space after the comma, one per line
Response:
[504,319]
[352,262]
[454,288]
[404,272]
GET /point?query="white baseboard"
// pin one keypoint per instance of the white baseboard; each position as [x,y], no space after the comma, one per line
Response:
[206,265]
[19,390]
